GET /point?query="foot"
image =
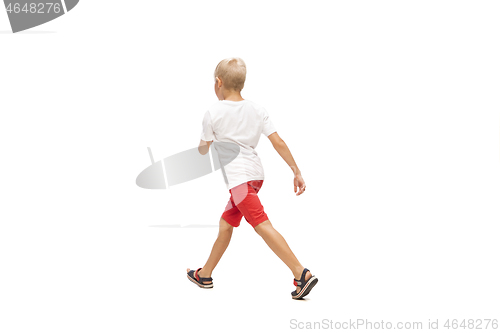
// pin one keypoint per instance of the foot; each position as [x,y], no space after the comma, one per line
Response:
[201,274]
[306,284]
[307,277]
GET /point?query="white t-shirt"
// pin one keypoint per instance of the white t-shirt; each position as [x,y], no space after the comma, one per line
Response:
[242,123]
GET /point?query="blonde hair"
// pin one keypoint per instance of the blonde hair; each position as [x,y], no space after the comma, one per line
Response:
[233,72]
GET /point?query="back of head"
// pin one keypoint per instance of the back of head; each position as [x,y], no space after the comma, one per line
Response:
[232,72]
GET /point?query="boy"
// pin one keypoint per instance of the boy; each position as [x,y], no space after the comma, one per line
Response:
[239,121]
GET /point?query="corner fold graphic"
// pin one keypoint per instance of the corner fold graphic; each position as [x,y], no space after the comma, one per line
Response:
[70,4]
[26,14]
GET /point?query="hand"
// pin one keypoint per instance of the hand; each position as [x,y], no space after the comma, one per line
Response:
[298,181]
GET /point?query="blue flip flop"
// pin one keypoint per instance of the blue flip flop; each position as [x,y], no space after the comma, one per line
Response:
[305,286]
[198,280]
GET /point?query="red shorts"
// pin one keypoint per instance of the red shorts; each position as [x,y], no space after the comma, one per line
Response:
[245,202]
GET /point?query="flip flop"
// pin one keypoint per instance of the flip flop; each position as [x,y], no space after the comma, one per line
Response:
[198,280]
[305,286]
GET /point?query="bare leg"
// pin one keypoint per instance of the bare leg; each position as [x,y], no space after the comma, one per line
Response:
[280,247]
[220,246]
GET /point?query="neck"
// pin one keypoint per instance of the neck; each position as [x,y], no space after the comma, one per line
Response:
[232,96]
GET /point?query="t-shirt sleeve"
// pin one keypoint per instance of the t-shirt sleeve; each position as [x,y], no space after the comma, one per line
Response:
[268,127]
[207,133]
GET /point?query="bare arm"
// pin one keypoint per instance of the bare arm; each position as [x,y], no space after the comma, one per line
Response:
[204,146]
[285,153]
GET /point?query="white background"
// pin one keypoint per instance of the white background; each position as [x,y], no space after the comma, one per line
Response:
[390,109]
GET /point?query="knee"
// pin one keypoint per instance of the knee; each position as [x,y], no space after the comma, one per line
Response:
[226,229]
[262,227]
